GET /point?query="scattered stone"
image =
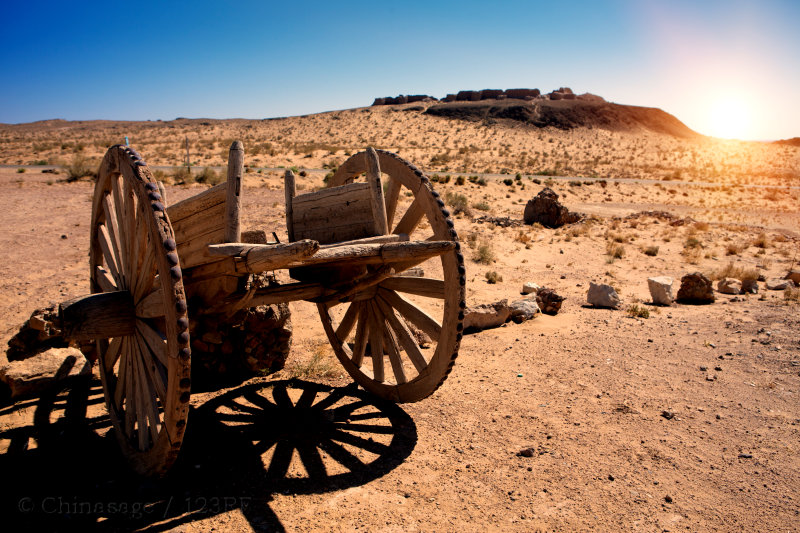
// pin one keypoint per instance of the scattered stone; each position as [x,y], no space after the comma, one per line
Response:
[779,284]
[527,452]
[43,371]
[749,286]
[729,286]
[530,288]
[523,310]
[545,209]
[486,316]
[549,302]
[668,498]
[794,275]
[696,289]
[660,290]
[669,415]
[502,222]
[601,295]
[745,456]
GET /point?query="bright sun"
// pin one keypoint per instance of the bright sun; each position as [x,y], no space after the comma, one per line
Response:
[729,118]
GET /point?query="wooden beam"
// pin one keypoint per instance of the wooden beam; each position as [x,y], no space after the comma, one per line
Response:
[233,231]
[376,253]
[262,257]
[290,191]
[98,316]
[376,192]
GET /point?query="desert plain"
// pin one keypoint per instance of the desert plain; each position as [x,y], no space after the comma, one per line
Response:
[644,418]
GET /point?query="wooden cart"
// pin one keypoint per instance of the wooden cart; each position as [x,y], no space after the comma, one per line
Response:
[352,250]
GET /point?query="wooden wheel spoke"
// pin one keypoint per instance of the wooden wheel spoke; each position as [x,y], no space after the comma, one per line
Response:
[404,336]
[376,330]
[130,395]
[348,321]
[393,350]
[146,275]
[113,230]
[411,218]
[122,376]
[146,397]
[104,279]
[428,287]
[155,341]
[104,240]
[392,197]
[112,354]
[412,313]
[151,306]
[362,333]
[122,223]
[139,400]
[139,245]
[154,373]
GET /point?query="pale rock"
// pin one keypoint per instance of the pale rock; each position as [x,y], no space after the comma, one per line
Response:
[486,316]
[530,288]
[729,286]
[660,290]
[36,374]
[779,284]
[523,310]
[601,295]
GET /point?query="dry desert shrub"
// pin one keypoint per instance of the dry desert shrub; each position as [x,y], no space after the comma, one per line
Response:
[761,241]
[638,311]
[80,167]
[320,365]
[493,277]
[734,249]
[792,294]
[732,270]
[651,251]
[522,237]
[484,253]
[458,203]
[615,251]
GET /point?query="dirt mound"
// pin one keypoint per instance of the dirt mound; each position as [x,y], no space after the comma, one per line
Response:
[568,115]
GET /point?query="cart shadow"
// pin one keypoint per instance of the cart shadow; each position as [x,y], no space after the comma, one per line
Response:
[241,448]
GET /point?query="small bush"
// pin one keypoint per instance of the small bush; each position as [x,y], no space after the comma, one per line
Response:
[639,312]
[20,171]
[762,241]
[522,237]
[484,254]
[80,167]
[182,175]
[615,251]
[460,180]
[209,177]
[508,181]
[734,249]
[482,206]
[652,251]
[493,277]
[692,242]
[791,294]
[481,182]
[458,203]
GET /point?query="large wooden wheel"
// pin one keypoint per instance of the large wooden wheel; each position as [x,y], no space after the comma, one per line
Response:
[400,338]
[145,375]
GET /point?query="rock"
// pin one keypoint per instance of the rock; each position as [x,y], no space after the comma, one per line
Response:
[523,310]
[570,96]
[379,101]
[793,275]
[43,371]
[522,93]
[660,290]
[545,209]
[530,287]
[556,95]
[776,284]
[549,302]
[749,286]
[696,289]
[39,333]
[491,94]
[601,295]
[486,316]
[729,286]
[468,96]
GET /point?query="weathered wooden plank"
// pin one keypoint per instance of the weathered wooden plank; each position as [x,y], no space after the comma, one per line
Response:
[198,203]
[376,253]
[98,316]
[200,223]
[290,190]
[195,251]
[428,287]
[376,192]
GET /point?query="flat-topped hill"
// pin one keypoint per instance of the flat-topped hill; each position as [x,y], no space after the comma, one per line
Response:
[568,115]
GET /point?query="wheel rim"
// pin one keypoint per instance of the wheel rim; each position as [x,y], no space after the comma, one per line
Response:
[145,376]
[376,335]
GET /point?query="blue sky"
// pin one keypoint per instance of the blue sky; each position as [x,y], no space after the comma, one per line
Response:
[702,61]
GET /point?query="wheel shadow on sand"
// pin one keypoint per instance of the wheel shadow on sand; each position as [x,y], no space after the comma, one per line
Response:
[241,448]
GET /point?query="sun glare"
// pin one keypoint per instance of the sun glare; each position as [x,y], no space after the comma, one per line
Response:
[729,118]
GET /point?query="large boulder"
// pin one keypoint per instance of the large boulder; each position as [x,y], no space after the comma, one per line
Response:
[660,290]
[379,101]
[545,209]
[601,295]
[549,302]
[468,96]
[729,286]
[491,94]
[486,316]
[779,284]
[449,98]
[696,289]
[793,275]
[44,371]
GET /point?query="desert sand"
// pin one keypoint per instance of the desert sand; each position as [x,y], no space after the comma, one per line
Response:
[592,419]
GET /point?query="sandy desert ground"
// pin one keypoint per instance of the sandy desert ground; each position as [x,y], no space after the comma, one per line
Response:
[686,420]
